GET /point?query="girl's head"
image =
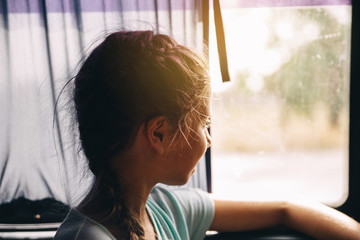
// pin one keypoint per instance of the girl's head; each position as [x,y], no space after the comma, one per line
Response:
[130,78]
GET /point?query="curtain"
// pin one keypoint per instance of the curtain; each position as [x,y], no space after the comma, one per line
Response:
[42,43]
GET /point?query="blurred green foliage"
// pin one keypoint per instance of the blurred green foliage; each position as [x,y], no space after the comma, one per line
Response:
[318,71]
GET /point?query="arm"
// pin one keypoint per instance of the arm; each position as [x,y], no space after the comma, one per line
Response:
[318,221]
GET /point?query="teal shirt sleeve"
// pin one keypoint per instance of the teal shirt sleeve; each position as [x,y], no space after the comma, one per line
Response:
[191,211]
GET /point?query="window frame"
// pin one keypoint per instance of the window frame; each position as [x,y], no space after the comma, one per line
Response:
[351,206]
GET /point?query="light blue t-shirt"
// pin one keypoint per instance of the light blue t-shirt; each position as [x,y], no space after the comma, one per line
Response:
[177,214]
[181,213]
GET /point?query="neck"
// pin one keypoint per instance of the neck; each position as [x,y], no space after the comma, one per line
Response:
[134,184]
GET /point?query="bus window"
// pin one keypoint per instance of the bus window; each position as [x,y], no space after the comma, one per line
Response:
[282,123]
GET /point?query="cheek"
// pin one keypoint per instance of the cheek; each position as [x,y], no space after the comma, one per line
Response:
[201,144]
[207,138]
[205,141]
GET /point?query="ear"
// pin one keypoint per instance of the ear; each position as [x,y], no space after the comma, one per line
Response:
[156,132]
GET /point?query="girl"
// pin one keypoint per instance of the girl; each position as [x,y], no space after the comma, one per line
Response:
[142,107]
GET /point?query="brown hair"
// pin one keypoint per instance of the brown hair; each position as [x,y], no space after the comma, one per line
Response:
[131,77]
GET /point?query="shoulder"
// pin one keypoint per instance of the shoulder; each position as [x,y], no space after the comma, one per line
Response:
[191,210]
[177,192]
[78,227]
[185,197]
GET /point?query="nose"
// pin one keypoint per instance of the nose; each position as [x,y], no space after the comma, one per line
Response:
[208,138]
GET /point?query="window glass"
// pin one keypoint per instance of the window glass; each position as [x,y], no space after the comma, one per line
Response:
[281,126]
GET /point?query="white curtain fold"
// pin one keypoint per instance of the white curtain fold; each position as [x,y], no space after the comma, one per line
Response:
[41,44]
